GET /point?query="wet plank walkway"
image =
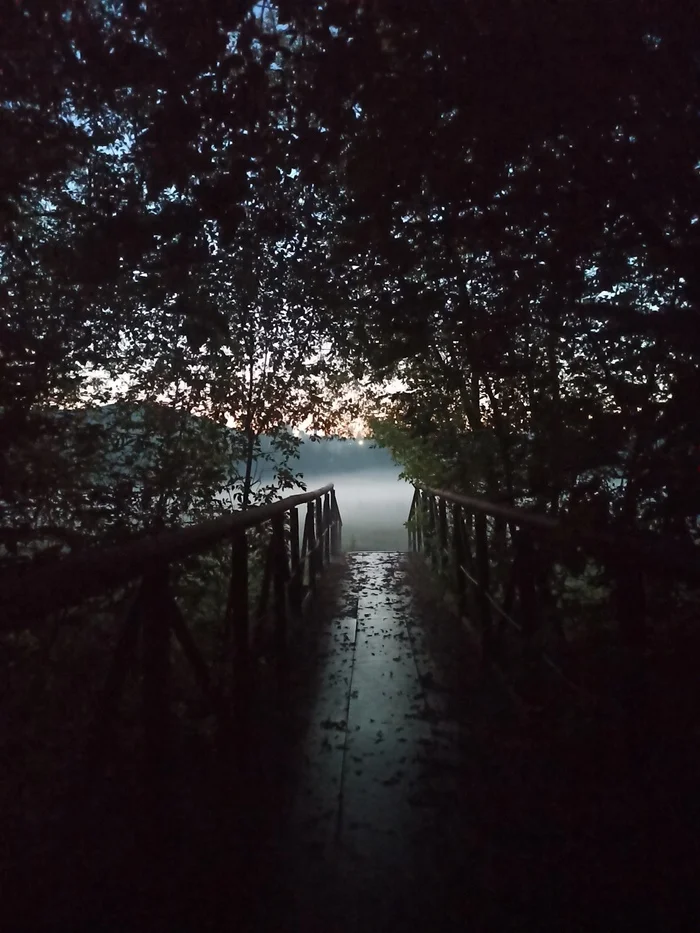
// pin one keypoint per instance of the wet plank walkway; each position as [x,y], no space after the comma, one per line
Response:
[367,841]
[422,799]
[382,780]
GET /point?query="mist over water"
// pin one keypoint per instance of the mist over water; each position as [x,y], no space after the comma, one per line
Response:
[374,505]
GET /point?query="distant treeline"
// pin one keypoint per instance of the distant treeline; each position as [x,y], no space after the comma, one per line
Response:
[106,473]
[316,455]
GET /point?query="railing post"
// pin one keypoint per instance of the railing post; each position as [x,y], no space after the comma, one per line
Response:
[155,629]
[310,535]
[123,658]
[630,600]
[442,533]
[459,556]
[280,575]
[482,576]
[327,528]
[319,533]
[524,571]
[630,607]
[431,528]
[630,604]
[237,611]
[267,578]
[336,526]
[412,522]
[469,524]
[295,582]
[498,540]
[420,520]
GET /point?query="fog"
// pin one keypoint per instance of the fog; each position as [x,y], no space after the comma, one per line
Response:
[373,504]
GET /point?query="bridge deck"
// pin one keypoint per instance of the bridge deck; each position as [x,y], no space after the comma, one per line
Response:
[368,796]
[390,786]
[374,836]
[422,803]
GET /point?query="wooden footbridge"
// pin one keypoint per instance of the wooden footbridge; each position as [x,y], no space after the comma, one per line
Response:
[369,741]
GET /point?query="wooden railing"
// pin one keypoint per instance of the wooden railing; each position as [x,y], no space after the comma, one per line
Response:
[291,563]
[606,684]
[499,558]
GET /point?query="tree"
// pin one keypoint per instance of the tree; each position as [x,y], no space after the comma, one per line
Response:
[136,195]
[422,197]
[519,254]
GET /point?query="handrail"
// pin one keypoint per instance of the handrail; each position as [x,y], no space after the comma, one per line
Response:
[657,552]
[293,559]
[501,574]
[73,579]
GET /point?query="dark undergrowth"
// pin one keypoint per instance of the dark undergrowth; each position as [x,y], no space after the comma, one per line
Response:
[581,811]
[86,848]
[573,810]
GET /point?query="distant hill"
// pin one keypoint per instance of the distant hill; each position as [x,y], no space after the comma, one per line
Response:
[322,456]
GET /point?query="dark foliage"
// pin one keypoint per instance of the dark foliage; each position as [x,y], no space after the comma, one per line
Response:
[484,215]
